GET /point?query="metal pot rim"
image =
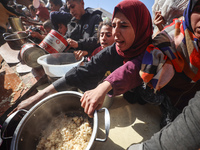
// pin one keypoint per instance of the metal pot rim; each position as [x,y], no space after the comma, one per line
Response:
[21,36]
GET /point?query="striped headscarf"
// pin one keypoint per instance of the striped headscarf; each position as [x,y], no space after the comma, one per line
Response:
[175,49]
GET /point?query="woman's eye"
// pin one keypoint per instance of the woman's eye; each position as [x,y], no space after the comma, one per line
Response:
[124,26]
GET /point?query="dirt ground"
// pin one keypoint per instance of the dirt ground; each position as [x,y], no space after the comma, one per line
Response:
[129,123]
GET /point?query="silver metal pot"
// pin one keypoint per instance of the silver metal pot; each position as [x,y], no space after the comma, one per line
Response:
[16,40]
[28,132]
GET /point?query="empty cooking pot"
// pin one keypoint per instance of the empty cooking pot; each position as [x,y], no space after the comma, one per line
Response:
[16,40]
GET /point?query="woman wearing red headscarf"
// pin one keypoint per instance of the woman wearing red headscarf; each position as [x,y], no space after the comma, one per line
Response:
[132,30]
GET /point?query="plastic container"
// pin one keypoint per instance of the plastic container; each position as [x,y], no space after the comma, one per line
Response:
[58,64]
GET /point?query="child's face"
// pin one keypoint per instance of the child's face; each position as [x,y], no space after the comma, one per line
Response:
[106,38]
[195,20]
[54,7]
[123,32]
[62,29]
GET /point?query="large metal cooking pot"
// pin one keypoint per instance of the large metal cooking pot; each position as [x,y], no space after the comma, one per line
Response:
[16,40]
[28,132]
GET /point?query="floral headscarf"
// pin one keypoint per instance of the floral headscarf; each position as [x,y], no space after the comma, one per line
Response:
[175,49]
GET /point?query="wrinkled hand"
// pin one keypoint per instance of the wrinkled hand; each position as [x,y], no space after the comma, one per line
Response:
[79,54]
[159,20]
[93,100]
[72,43]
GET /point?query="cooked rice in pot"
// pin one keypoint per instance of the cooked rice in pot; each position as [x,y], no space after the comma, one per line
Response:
[66,133]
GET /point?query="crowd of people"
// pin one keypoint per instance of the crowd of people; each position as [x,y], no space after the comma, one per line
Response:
[159,67]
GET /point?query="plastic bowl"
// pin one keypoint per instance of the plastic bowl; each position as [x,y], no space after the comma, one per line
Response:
[58,64]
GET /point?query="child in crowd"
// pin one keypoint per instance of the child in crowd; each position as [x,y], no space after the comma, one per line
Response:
[60,20]
[105,39]
[56,5]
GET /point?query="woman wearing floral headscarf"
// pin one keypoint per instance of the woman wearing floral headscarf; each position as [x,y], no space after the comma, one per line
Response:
[171,65]
[181,60]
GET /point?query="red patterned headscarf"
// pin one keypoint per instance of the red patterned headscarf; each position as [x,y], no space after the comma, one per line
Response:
[138,15]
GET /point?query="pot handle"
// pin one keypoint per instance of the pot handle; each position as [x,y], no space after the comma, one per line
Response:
[8,120]
[107,124]
[5,34]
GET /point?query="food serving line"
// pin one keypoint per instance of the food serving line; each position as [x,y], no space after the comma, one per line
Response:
[129,123]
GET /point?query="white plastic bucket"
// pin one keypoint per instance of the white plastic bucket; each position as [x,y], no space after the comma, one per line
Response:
[58,64]
[54,42]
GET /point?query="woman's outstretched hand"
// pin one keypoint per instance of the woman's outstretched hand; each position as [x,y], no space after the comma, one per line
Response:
[93,99]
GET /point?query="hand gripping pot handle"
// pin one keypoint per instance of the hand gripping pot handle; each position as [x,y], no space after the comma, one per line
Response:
[7,122]
[107,124]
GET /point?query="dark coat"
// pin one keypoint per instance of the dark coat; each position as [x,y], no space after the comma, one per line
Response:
[85,30]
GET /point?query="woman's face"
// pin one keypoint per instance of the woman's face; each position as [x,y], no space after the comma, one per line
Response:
[123,31]
[195,20]
[106,38]
[62,29]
